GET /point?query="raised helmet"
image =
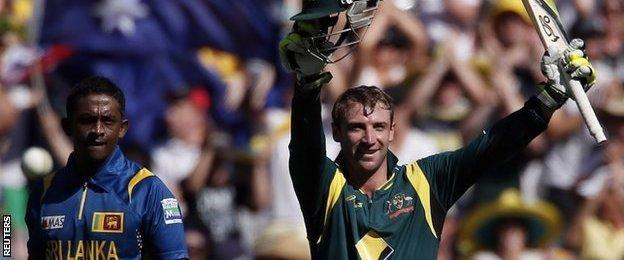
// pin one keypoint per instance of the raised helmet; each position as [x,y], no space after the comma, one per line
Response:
[333,28]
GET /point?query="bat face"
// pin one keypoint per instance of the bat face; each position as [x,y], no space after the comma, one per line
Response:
[544,15]
[546,20]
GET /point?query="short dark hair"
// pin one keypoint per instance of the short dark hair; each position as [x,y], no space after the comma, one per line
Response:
[368,96]
[94,85]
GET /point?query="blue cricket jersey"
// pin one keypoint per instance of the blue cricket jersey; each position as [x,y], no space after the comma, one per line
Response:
[122,212]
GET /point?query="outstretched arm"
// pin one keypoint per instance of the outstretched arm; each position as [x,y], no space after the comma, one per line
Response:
[452,173]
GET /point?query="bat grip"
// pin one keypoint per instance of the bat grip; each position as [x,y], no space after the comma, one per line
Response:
[586,110]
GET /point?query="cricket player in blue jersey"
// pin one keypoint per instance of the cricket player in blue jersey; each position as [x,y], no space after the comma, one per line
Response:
[102,205]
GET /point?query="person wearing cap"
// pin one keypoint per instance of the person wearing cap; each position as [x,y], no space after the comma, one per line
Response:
[509,228]
[102,205]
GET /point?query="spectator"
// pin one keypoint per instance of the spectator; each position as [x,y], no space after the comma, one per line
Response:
[598,228]
[410,143]
[392,49]
[509,228]
[187,126]
[219,186]
[451,100]
[282,241]
[197,239]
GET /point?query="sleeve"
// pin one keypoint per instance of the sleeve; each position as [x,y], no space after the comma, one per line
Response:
[452,173]
[310,170]
[162,221]
[35,240]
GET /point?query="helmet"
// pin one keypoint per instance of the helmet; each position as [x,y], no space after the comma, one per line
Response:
[334,25]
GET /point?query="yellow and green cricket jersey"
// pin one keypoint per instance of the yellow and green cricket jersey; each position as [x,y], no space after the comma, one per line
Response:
[404,217]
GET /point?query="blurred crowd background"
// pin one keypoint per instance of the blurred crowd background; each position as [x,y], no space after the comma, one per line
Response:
[208,104]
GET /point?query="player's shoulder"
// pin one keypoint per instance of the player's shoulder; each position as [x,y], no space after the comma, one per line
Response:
[144,183]
[144,178]
[419,168]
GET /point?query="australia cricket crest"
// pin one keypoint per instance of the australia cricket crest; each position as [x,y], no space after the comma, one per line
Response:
[399,204]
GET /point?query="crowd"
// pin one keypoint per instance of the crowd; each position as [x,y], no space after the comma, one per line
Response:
[208,105]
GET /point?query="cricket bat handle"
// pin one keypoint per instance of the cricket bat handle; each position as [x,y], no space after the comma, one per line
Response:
[586,110]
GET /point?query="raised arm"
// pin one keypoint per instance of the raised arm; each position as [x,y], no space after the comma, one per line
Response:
[483,101]
[366,48]
[307,143]
[452,173]
[307,161]
[60,145]
[413,29]
[200,174]
[424,89]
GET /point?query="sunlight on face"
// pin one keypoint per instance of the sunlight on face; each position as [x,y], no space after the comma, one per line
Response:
[365,137]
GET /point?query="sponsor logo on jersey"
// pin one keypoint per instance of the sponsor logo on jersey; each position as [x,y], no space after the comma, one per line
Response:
[52,222]
[171,211]
[356,202]
[107,222]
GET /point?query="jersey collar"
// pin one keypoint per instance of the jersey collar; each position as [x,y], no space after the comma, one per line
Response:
[108,173]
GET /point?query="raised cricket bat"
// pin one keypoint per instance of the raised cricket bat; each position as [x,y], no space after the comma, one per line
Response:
[545,17]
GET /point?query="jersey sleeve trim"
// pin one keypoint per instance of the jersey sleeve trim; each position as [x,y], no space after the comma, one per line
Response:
[417,178]
[47,182]
[138,177]
[335,189]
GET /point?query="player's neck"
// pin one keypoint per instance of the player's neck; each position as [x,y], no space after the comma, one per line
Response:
[87,168]
[370,182]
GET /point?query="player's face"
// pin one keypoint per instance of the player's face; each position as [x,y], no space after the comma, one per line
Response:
[364,139]
[96,126]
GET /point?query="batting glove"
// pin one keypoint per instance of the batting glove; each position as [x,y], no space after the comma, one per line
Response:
[296,58]
[559,65]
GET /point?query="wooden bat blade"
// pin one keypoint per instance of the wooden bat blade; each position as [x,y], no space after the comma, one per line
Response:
[545,18]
